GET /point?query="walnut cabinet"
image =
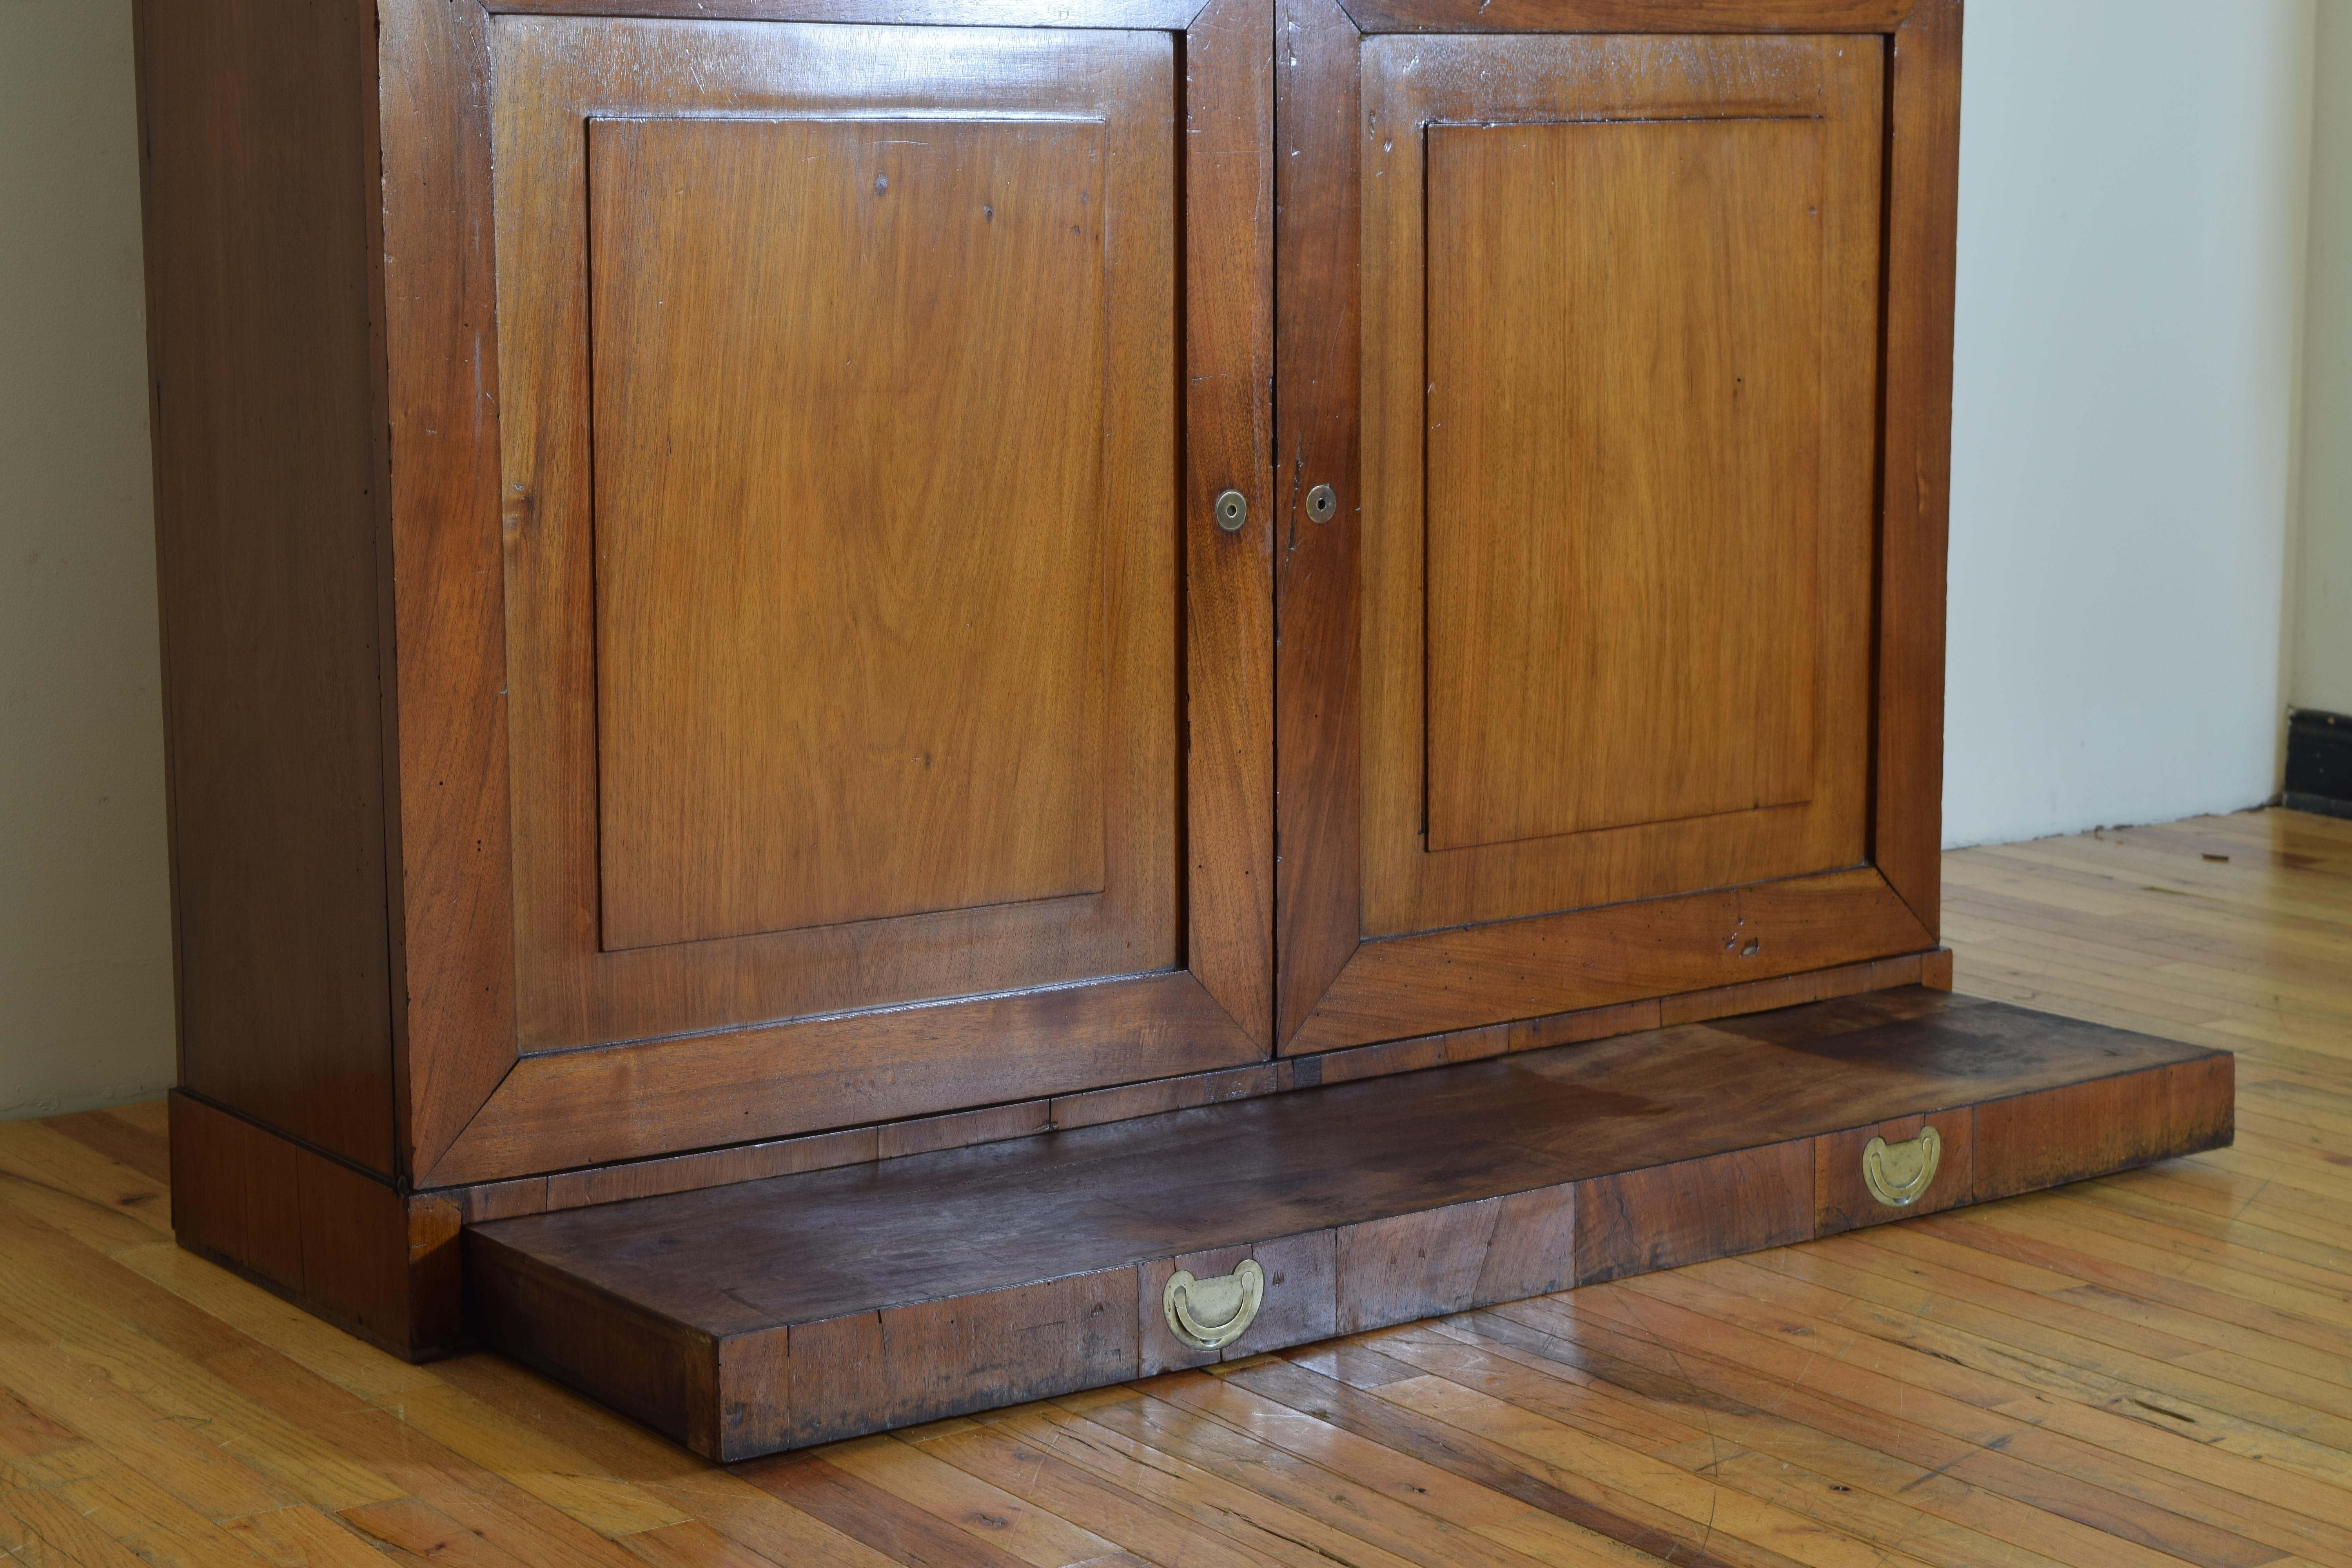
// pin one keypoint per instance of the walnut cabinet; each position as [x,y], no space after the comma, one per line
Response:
[752,584]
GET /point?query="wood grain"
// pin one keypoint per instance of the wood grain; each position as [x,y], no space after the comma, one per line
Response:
[1534,1484]
[1628,16]
[866,1512]
[717,1167]
[270,475]
[1112,92]
[838,1301]
[1317,254]
[1229,237]
[1098,1106]
[1628,383]
[1922,224]
[851,598]
[1418,1265]
[455,1038]
[590,1108]
[1594,958]
[935,1359]
[336,1239]
[1417,878]
[2092,1129]
[1667,1216]
[755,1161]
[630,1360]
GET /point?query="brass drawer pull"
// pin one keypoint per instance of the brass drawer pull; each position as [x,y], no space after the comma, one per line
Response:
[1209,1314]
[1897,1173]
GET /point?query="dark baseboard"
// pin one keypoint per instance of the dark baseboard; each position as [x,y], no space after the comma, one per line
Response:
[2318,763]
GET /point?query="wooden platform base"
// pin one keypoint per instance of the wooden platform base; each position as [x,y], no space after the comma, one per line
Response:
[808,1307]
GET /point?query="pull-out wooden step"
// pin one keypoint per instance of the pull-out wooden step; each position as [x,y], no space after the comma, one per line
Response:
[746,1319]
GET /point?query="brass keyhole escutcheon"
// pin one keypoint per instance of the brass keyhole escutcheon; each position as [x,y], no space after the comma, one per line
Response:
[1232,511]
[1209,1314]
[1322,503]
[1897,1173]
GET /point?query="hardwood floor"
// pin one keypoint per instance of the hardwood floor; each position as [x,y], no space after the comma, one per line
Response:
[2152,1367]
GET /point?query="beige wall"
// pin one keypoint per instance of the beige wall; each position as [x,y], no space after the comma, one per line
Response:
[2321,591]
[2133,185]
[85,940]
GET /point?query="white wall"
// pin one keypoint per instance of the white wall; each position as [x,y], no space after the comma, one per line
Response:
[2132,182]
[85,944]
[2322,588]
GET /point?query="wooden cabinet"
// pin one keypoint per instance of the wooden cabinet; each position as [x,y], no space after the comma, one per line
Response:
[755,585]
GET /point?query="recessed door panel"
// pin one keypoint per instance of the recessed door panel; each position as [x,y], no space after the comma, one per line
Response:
[849,509]
[839,412]
[1625,408]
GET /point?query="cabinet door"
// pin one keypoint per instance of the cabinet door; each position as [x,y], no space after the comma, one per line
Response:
[855,580]
[1602,682]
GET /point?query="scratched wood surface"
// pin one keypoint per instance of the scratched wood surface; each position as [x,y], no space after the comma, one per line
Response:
[2151,1368]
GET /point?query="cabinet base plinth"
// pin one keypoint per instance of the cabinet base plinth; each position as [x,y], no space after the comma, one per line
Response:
[809,1308]
[327,1236]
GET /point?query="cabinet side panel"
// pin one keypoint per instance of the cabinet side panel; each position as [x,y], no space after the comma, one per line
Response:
[262,403]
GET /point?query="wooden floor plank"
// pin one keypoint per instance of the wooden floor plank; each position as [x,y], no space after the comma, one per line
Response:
[151,1520]
[864,1512]
[2249,1247]
[1329,1392]
[304,1538]
[120,1140]
[2249,1300]
[1871,1449]
[1764,1452]
[2196,1442]
[1717,1509]
[1404,1532]
[2003,1451]
[991,1513]
[72,1392]
[1154,1533]
[693,1545]
[2148,1369]
[1263,1523]
[2144,1363]
[1492,1512]
[65,1532]
[71,1309]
